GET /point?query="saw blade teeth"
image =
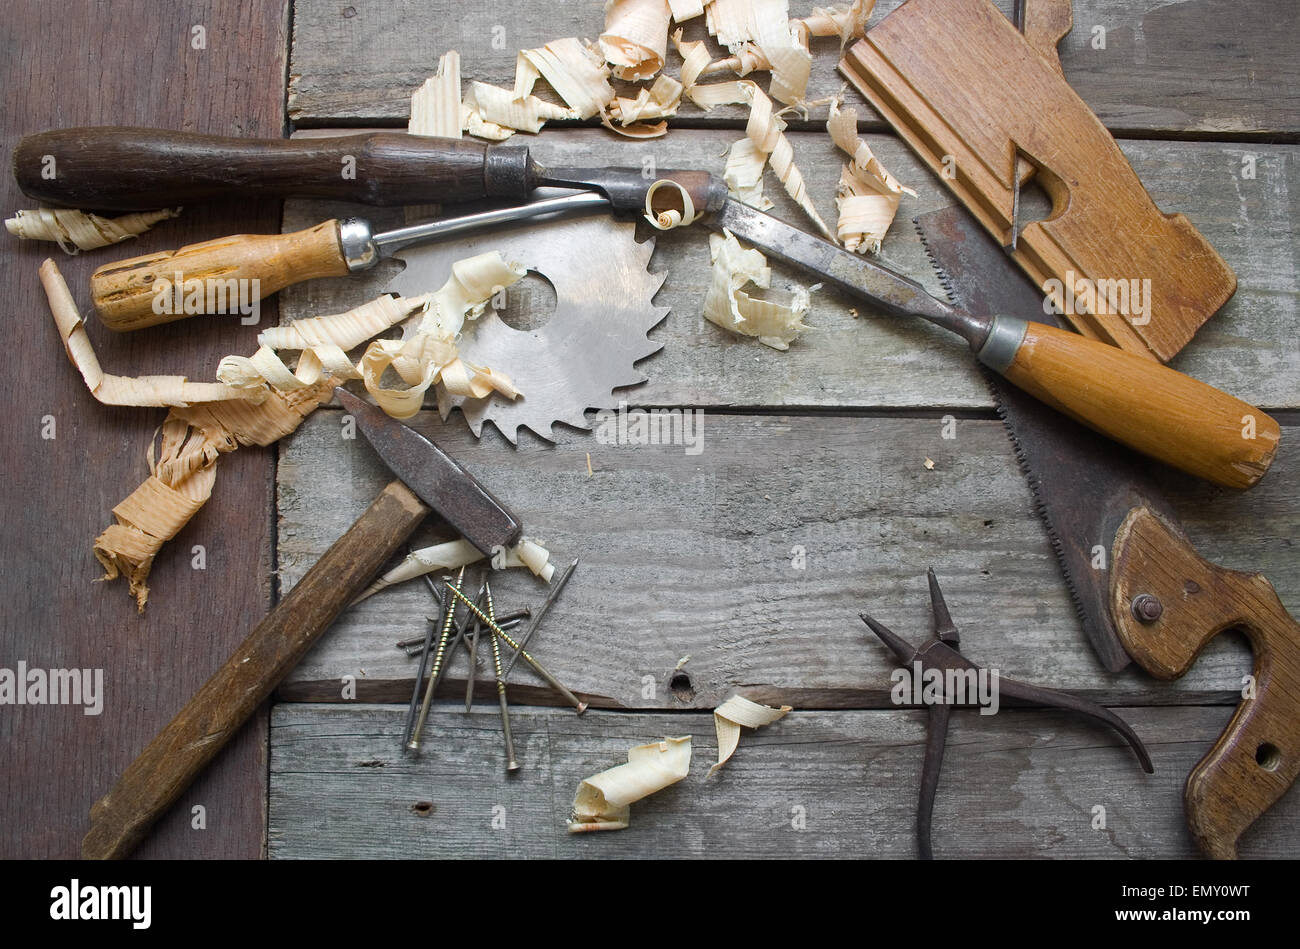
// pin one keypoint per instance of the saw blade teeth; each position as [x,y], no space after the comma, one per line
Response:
[939,272]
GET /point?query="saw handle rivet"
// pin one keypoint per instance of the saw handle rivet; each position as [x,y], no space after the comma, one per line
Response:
[1146,608]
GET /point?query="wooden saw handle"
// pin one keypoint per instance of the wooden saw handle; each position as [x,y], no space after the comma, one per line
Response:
[136,169]
[152,783]
[1257,758]
[154,288]
[1149,407]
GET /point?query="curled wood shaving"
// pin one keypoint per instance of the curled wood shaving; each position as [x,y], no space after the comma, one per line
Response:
[77,230]
[435,106]
[684,10]
[767,132]
[497,106]
[427,357]
[183,475]
[603,800]
[120,390]
[459,553]
[744,174]
[846,22]
[760,35]
[659,101]
[728,306]
[636,37]
[669,218]
[868,196]
[695,63]
[732,715]
[575,71]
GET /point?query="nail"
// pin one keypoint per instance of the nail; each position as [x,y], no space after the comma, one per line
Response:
[449,614]
[541,612]
[511,763]
[537,666]
[424,650]
[507,621]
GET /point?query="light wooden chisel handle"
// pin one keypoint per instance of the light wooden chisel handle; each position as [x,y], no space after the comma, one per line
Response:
[162,772]
[1149,407]
[215,277]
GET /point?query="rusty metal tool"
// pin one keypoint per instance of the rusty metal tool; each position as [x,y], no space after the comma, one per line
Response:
[940,654]
[428,479]
[1151,408]
[1141,590]
[539,614]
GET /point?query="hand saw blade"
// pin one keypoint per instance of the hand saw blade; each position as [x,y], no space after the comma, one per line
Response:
[1083,484]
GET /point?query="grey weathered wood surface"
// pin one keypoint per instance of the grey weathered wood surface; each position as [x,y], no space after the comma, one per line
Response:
[1220,68]
[821,448]
[1015,784]
[125,63]
[875,361]
[692,555]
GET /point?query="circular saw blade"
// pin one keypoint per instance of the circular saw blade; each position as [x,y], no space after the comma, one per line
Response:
[604,312]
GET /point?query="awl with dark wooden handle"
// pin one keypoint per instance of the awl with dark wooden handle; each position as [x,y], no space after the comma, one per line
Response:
[1152,409]
[171,762]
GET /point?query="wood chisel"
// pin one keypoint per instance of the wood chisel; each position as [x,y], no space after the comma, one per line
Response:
[427,478]
[1151,408]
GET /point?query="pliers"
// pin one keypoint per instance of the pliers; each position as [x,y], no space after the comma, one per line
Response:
[940,653]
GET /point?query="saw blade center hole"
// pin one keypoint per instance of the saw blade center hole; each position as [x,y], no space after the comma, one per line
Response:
[526,305]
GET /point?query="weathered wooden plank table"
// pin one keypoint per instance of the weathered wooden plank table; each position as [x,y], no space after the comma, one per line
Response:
[809,501]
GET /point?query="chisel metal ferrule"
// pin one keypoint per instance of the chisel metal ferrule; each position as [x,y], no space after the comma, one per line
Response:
[357,244]
[1005,336]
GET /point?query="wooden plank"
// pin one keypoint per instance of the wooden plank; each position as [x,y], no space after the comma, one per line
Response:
[1020,783]
[59,492]
[877,361]
[1162,69]
[699,555]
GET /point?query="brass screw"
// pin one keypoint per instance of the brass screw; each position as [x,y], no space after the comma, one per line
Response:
[511,763]
[541,670]
[449,615]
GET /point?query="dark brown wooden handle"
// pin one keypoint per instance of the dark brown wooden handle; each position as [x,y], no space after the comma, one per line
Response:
[163,771]
[1257,758]
[131,169]
[219,274]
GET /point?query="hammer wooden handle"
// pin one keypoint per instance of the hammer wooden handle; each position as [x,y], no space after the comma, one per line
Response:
[133,169]
[1257,758]
[153,288]
[163,771]
[1149,407]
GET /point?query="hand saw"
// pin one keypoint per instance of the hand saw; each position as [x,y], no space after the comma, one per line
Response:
[1153,409]
[1149,597]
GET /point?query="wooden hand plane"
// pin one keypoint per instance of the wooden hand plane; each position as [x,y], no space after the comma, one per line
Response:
[986,106]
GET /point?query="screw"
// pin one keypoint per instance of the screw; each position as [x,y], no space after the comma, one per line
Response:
[511,763]
[508,621]
[537,666]
[1146,608]
[449,615]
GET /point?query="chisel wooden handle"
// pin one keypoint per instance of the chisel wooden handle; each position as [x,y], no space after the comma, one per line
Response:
[1257,758]
[163,771]
[1149,407]
[133,169]
[153,288]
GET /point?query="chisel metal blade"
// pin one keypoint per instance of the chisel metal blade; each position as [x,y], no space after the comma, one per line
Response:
[1083,484]
[440,480]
